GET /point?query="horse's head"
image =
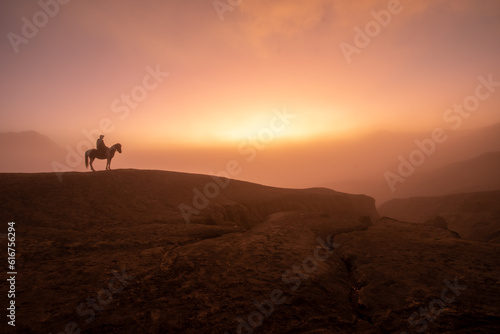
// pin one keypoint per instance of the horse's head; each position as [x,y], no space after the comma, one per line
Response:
[118,148]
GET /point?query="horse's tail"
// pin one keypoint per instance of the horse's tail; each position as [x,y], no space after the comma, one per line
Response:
[87,159]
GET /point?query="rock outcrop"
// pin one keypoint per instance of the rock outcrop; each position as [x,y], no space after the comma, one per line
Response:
[474,216]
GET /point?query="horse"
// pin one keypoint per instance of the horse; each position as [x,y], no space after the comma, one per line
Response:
[109,154]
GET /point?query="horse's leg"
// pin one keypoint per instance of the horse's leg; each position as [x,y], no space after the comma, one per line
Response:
[91,161]
[108,165]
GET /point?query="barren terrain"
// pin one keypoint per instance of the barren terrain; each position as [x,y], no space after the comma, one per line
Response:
[110,252]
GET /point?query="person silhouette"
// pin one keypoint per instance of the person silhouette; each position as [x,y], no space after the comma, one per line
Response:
[101,147]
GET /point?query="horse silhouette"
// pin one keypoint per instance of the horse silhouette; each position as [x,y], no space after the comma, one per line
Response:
[108,154]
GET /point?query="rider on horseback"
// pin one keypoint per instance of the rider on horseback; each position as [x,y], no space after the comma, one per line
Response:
[101,147]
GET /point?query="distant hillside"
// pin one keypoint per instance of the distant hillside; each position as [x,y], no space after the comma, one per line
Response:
[362,170]
[474,216]
[28,151]
[481,173]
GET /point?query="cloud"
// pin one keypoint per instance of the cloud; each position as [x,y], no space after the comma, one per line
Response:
[264,21]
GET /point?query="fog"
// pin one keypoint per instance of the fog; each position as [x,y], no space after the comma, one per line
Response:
[383,165]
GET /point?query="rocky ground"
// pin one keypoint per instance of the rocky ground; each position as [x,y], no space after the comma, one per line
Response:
[110,252]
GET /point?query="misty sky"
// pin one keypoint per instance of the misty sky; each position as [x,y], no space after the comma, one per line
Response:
[178,75]
[226,77]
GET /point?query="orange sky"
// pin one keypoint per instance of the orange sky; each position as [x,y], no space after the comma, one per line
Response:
[227,77]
